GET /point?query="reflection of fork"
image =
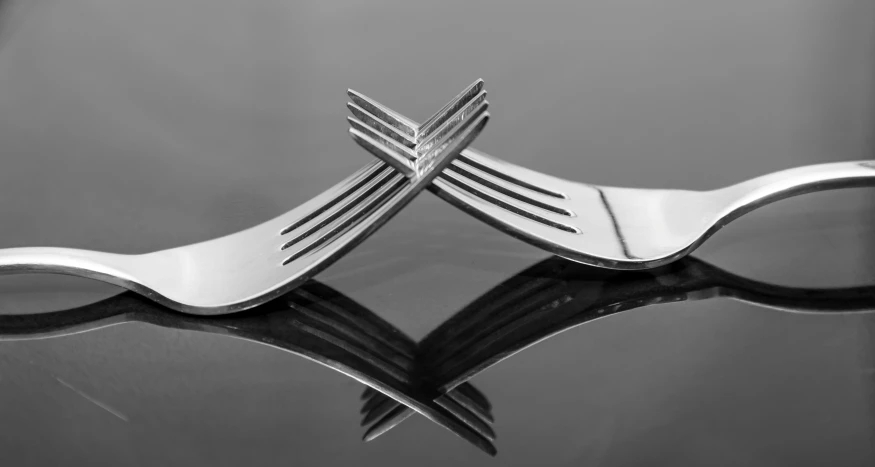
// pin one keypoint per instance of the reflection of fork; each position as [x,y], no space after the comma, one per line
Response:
[312,321]
[556,295]
[618,228]
[247,268]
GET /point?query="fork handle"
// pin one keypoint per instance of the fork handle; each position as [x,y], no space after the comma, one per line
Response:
[746,196]
[106,267]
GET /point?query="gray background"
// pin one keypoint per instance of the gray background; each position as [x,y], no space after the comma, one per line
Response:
[129,126]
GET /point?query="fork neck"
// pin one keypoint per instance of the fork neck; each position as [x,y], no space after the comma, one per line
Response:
[744,197]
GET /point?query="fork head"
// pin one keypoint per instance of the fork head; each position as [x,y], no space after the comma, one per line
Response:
[616,228]
[419,151]
[242,270]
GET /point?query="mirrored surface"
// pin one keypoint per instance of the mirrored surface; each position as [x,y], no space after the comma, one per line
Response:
[135,126]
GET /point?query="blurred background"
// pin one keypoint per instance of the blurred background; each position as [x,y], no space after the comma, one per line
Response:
[129,126]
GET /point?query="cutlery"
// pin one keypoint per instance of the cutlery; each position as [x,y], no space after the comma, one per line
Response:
[245,269]
[609,227]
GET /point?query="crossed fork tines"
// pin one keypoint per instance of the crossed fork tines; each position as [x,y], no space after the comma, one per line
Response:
[313,321]
[556,295]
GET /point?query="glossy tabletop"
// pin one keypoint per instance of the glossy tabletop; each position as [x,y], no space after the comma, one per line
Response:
[130,126]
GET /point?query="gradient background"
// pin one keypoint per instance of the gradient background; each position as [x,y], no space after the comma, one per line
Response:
[129,126]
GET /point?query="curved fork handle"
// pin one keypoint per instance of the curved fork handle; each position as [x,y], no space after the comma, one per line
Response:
[746,196]
[107,267]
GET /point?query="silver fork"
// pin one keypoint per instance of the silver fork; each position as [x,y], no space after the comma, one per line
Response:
[244,269]
[610,227]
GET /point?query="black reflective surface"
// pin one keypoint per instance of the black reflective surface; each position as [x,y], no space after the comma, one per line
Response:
[133,126]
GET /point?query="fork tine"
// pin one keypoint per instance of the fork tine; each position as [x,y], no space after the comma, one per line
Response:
[343,207]
[377,410]
[484,310]
[428,408]
[459,395]
[485,179]
[328,334]
[473,420]
[361,339]
[502,343]
[374,401]
[471,392]
[545,302]
[344,223]
[361,367]
[383,152]
[384,129]
[549,297]
[368,393]
[442,115]
[342,307]
[443,152]
[378,405]
[389,421]
[465,109]
[513,174]
[356,182]
[475,174]
[457,186]
[470,404]
[460,424]
[395,120]
[369,130]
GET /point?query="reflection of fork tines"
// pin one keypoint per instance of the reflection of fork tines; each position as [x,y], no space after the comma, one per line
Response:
[556,295]
[313,321]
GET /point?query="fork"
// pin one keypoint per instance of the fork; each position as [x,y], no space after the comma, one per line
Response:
[306,322]
[609,227]
[556,295]
[242,270]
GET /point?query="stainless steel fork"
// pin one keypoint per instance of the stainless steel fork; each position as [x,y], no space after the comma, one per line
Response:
[244,269]
[610,227]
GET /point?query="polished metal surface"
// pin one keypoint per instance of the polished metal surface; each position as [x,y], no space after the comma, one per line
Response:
[134,126]
[431,377]
[313,321]
[557,295]
[609,227]
[242,270]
